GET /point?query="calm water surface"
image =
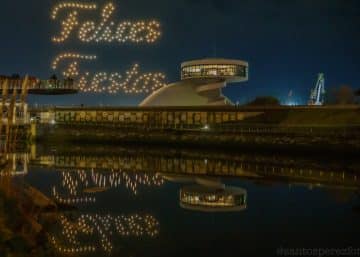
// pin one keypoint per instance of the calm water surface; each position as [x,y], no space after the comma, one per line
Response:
[136,202]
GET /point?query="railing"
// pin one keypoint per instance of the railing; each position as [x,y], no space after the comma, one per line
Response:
[55,84]
[39,84]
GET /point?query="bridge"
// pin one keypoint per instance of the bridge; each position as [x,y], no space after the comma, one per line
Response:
[38,87]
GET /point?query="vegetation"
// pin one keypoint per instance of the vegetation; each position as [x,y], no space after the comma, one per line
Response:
[341,96]
[13,242]
[53,77]
[15,76]
[265,100]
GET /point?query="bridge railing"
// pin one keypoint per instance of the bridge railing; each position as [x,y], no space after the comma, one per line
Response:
[33,83]
[16,83]
[55,84]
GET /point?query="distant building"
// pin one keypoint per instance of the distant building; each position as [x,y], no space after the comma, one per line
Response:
[201,84]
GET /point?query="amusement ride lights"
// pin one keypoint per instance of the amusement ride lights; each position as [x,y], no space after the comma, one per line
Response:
[103,227]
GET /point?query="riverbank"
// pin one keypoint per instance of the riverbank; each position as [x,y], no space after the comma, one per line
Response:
[20,232]
[282,128]
[290,138]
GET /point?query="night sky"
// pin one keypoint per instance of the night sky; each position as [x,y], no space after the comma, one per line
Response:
[286,42]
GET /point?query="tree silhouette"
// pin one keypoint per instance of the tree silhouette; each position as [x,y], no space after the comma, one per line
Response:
[53,77]
[15,76]
[265,100]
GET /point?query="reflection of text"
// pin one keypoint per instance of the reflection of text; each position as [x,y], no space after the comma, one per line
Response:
[91,232]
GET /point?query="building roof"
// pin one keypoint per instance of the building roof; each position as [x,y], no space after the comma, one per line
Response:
[213,61]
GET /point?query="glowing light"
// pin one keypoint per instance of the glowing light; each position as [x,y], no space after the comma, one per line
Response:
[102,227]
[71,5]
[106,31]
[132,83]
[69,55]
[74,182]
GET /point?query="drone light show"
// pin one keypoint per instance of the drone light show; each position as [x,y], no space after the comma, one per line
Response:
[106,30]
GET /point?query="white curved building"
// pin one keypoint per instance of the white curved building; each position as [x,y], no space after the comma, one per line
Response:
[201,83]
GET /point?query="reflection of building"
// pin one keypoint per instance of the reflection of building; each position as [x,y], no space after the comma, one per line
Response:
[248,166]
[210,199]
[201,83]
[209,194]
[16,164]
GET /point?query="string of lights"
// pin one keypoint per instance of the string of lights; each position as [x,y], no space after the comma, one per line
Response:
[106,31]
[75,233]
[74,182]
[102,82]
[73,5]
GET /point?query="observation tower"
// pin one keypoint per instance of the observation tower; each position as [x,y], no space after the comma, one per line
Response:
[201,84]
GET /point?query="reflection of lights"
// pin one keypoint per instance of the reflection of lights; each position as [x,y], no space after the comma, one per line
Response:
[206,127]
[106,30]
[73,182]
[103,227]
[201,198]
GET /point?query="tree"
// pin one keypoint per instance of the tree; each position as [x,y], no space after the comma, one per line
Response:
[15,76]
[342,95]
[345,95]
[357,92]
[265,100]
[53,77]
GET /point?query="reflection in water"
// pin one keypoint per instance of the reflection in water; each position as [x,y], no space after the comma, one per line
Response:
[208,194]
[195,181]
[92,232]
[79,182]
[14,164]
[200,198]
[274,168]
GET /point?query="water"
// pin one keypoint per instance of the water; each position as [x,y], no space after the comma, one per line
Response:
[126,201]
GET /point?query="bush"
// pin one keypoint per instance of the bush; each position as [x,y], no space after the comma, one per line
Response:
[265,100]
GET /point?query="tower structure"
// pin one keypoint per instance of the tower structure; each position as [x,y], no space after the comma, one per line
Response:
[201,83]
[318,92]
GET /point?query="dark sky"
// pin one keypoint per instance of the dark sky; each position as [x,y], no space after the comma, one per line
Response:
[286,42]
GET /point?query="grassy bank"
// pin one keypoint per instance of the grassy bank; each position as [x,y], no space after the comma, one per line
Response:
[306,139]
